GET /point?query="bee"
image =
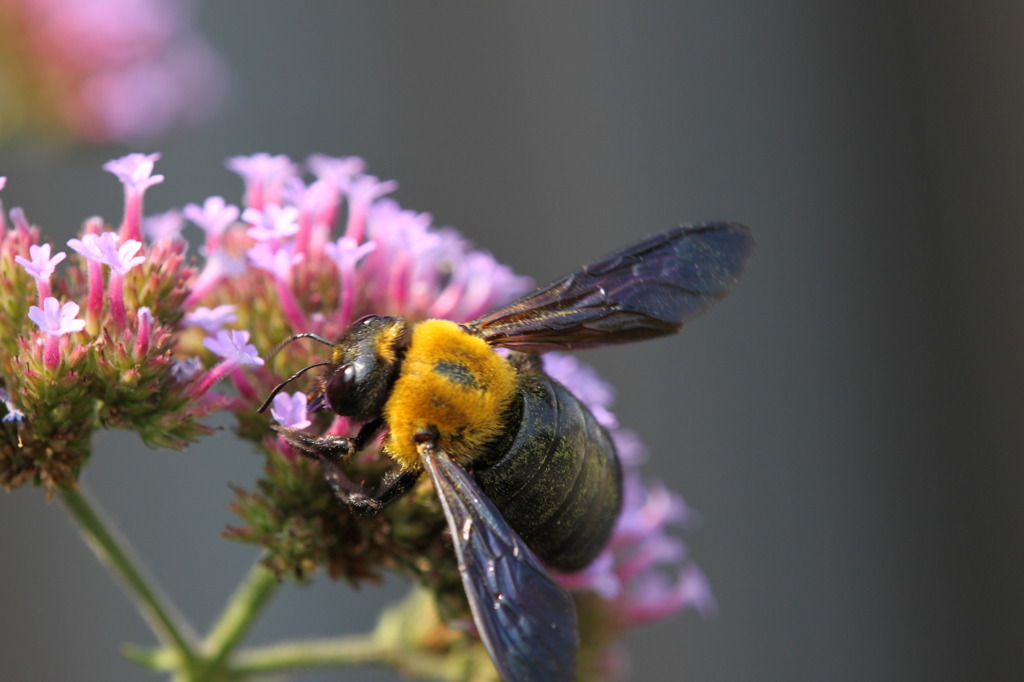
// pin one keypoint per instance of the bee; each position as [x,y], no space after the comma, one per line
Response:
[526,476]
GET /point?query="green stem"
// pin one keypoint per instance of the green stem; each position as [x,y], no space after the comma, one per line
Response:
[113,551]
[245,604]
[353,650]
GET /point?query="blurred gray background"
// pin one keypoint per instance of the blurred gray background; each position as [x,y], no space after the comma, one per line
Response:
[847,423]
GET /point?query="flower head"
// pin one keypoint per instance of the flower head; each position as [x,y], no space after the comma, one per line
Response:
[212,319]
[56,319]
[103,248]
[163,226]
[213,217]
[39,264]
[272,223]
[289,409]
[135,171]
[264,175]
[233,345]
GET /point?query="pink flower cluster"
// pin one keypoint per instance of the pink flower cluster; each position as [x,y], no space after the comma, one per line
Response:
[108,70]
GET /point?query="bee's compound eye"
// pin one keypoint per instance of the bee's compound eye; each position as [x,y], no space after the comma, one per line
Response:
[340,389]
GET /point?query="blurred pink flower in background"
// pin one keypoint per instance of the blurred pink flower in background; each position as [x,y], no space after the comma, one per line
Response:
[105,70]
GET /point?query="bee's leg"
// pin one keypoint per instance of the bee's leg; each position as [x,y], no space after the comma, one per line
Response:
[367,432]
[394,484]
[331,450]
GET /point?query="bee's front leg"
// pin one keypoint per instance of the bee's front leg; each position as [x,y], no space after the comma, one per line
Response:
[331,450]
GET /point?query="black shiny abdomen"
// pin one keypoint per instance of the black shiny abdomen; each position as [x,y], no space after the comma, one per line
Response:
[554,475]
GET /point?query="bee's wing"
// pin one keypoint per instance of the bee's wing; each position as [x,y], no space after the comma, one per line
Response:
[641,291]
[526,620]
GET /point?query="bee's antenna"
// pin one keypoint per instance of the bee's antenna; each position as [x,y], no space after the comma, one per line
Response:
[304,335]
[277,389]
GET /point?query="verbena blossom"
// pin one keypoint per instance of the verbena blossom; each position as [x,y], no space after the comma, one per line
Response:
[66,377]
[105,70]
[289,409]
[103,249]
[55,320]
[41,266]
[211,319]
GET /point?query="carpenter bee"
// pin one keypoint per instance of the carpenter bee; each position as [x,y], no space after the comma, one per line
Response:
[521,467]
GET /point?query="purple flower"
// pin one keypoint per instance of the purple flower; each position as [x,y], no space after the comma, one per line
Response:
[165,226]
[362,191]
[233,345]
[214,217]
[3,181]
[41,266]
[103,249]
[315,199]
[211,319]
[346,254]
[337,171]
[264,176]
[135,171]
[273,223]
[219,265]
[56,319]
[235,351]
[278,262]
[289,410]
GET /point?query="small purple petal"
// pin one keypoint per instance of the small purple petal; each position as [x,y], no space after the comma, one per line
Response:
[211,320]
[262,168]
[346,253]
[274,222]
[213,217]
[103,249]
[126,258]
[338,171]
[41,266]
[279,261]
[135,171]
[56,319]
[163,226]
[233,345]
[364,189]
[290,410]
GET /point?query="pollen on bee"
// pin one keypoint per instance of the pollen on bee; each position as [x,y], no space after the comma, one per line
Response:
[452,384]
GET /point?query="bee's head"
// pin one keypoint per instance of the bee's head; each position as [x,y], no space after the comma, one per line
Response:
[363,366]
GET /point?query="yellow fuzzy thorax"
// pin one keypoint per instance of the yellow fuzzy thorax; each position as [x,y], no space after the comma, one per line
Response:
[451,383]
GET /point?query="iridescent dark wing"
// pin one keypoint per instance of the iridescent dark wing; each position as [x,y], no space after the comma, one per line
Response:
[641,291]
[527,621]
